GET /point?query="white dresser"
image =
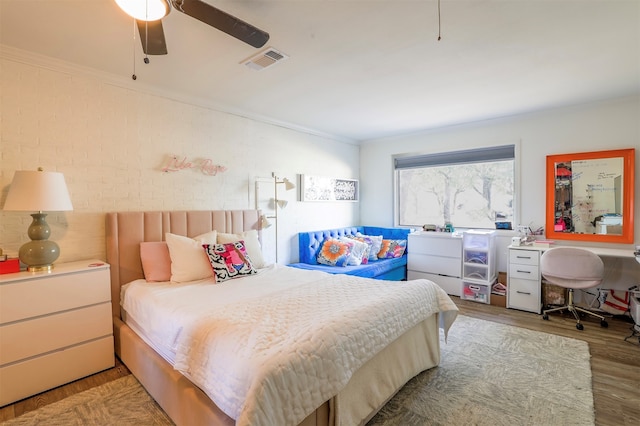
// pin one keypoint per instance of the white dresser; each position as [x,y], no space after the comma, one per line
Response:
[523,288]
[54,327]
[436,256]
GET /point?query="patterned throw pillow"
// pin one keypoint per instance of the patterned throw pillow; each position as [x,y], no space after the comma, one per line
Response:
[359,251]
[392,248]
[334,252]
[376,245]
[229,260]
[366,252]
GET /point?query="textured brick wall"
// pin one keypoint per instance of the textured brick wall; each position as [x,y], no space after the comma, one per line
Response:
[111,143]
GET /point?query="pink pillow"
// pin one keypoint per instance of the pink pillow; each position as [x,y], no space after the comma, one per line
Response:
[156,262]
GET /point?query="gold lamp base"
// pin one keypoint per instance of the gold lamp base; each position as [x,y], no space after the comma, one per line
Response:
[43,268]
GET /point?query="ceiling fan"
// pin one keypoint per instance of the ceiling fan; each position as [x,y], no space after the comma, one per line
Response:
[149,13]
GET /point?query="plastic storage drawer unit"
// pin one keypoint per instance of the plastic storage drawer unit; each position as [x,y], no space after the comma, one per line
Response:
[476,292]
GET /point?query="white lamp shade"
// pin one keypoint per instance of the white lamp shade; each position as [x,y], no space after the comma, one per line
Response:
[288,185]
[145,10]
[38,191]
[264,222]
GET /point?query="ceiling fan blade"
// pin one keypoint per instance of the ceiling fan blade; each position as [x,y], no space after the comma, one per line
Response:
[152,37]
[223,21]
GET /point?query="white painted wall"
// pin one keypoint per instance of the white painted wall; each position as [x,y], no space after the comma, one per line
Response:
[599,126]
[111,141]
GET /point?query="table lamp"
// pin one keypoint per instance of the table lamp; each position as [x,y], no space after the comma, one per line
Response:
[38,191]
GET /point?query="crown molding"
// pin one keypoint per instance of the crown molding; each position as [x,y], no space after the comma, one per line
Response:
[57,65]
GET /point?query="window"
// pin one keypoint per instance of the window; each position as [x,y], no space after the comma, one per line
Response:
[469,189]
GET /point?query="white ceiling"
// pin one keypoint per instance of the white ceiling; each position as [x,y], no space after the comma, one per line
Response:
[360,69]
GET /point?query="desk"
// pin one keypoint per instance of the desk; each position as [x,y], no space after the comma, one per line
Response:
[524,279]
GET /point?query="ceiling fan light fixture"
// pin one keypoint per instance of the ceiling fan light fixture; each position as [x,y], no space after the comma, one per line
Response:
[145,10]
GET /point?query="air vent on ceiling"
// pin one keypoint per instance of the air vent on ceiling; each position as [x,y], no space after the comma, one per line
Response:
[265,59]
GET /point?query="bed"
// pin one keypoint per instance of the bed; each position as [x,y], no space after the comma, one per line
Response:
[355,399]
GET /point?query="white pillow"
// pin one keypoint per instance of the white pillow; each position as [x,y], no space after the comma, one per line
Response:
[357,251]
[251,245]
[189,262]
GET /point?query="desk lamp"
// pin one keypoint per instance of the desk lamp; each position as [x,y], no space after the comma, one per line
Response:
[38,191]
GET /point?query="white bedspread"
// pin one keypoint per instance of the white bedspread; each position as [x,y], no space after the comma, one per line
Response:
[270,348]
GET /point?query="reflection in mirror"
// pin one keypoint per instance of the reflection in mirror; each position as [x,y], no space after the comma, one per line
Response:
[590,196]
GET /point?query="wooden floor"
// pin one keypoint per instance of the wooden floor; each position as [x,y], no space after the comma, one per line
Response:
[615,364]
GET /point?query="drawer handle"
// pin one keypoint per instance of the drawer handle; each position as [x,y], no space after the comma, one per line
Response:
[524,272]
[523,257]
[523,292]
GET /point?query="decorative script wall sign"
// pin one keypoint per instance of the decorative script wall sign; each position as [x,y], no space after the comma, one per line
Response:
[205,165]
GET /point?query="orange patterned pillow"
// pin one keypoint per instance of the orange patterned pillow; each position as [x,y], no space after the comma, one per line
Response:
[334,252]
[392,248]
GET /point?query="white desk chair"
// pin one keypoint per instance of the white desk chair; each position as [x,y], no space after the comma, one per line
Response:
[572,268]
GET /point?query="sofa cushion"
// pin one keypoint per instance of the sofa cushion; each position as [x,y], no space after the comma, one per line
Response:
[392,248]
[376,244]
[359,250]
[370,270]
[334,252]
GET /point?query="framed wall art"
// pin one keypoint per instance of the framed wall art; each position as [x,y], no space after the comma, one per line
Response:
[322,188]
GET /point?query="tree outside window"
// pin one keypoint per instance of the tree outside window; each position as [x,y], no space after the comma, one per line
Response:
[468,195]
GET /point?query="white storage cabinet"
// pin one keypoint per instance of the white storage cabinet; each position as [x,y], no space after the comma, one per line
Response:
[436,256]
[54,327]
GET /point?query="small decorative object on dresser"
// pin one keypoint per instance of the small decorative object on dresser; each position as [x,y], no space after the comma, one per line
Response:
[55,327]
[9,266]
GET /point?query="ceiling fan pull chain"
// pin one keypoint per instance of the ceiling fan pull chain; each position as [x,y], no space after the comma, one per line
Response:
[133,76]
[146,41]
[146,32]
[439,21]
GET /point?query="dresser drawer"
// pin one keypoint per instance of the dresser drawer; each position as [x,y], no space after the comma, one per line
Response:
[524,295]
[25,339]
[34,375]
[434,264]
[54,293]
[527,272]
[524,257]
[451,285]
[438,244]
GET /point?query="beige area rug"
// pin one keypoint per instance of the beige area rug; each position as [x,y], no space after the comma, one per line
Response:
[122,402]
[490,374]
[494,374]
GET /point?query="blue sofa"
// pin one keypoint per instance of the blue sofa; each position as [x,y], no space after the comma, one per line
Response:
[382,269]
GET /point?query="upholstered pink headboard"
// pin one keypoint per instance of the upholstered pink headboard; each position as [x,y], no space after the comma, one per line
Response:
[126,230]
